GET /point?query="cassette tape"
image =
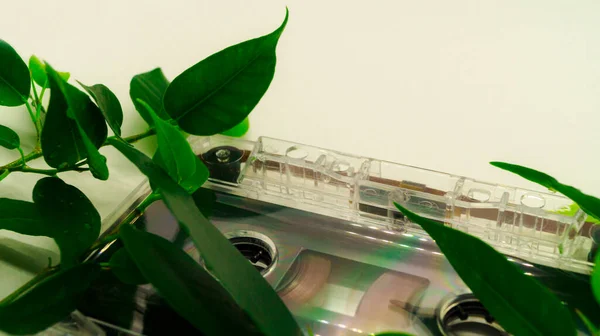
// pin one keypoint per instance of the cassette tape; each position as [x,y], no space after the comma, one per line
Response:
[321,228]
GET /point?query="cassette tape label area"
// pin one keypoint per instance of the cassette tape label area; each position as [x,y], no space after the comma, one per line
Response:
[322,229]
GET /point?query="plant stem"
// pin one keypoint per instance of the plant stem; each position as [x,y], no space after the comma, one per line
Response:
[36,100]
[33,119]
[22,155]
[37,152]
[28,285]
[4,174]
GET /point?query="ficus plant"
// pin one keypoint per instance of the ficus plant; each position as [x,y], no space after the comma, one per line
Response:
[213,96]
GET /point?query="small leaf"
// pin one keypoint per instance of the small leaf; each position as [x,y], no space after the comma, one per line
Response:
[238,130]
[125,269]
[108,104]
[15,82]
[9,138]
[254,295]
[96,161]
[22,217]
[149,87]
[589,204]
[186,286]
[175,154]
[500,286]
[62,140]
[48,303]
[220,91]
[74,221]
[38,72]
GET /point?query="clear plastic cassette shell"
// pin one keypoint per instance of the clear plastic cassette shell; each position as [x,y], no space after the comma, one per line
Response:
[517,222]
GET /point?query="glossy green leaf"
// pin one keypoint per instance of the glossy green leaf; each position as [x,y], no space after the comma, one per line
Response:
[38,72]
[22,217]
[62,141]
[48,303]
[95,160]
[9,138]
[238,130]
[109,105]
[149,87]
[74,221]
[254,295]
[175,155]
[502,287]
[589,204]
[14,77]
[125,269]
[186,286]
[220,91]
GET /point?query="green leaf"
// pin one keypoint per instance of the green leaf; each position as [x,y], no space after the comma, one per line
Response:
[149,87]
[220,91]
[595,278]
[254,295]
[175,155]
[38,72]
[15,82]
[62,141]
[186,286]
[125,269]
[74,221]
[96,161]
[109,105]
[22,217]
[589,204]
[238,130]
[500,286]
[391,333]
[588,324]
[572,210]
[9,138]
[48,303]
[205,200]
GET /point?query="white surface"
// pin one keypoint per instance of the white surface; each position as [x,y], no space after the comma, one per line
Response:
[445,85]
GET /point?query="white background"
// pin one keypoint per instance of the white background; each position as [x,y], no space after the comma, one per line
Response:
[445,85]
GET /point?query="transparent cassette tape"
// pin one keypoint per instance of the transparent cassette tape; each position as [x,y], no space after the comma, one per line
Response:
[321,228]
[522,223]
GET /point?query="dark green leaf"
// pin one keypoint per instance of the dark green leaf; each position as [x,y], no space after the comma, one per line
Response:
[595,278]
[74,221]
[22,217]
[254,295]
[502,287]
[9,138]
[186,286]
[149,87]
[62,141]
[38,72]
[589,204]
[392,333]
[125,269]
[14,77]
[220,91]
[238,130]
[48,303]
[175,154]
[96,161]
[205,200]
[108,104]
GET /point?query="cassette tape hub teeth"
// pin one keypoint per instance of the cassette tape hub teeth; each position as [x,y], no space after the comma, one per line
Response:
[223,163]
[256,247]
[465,315]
